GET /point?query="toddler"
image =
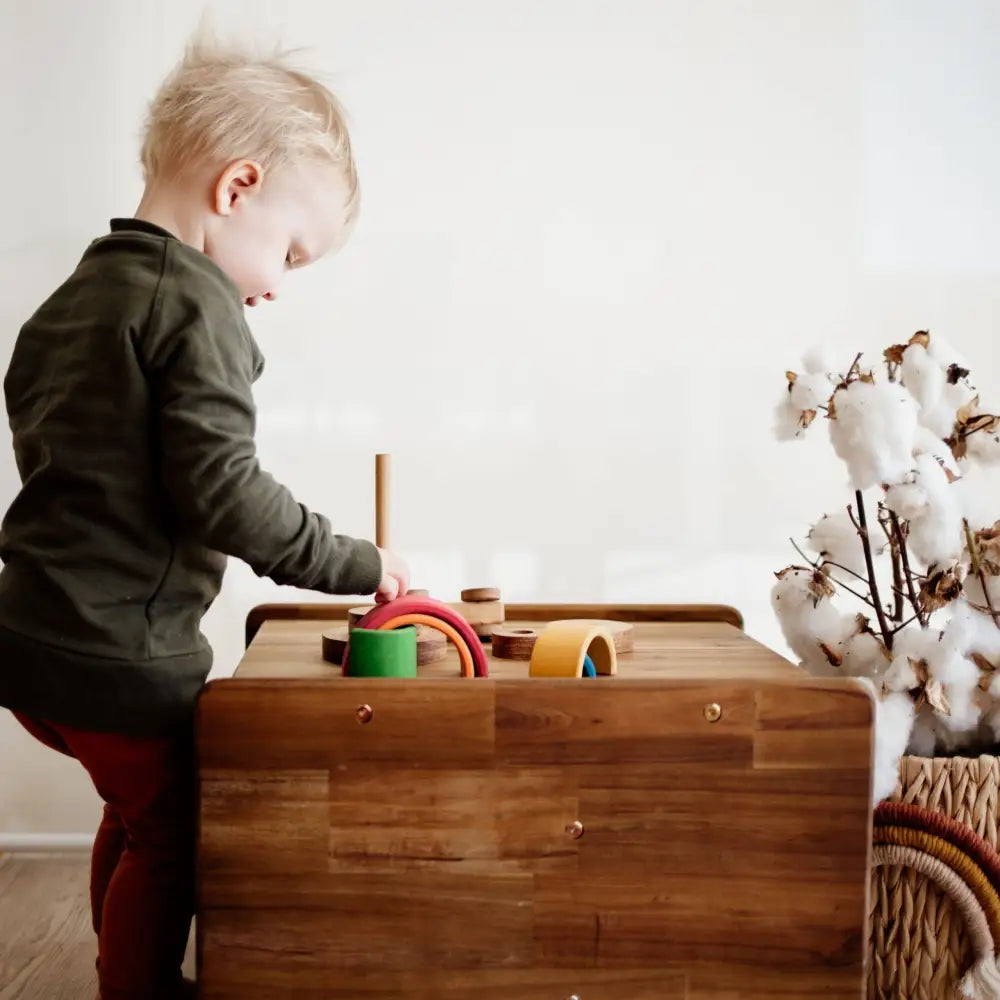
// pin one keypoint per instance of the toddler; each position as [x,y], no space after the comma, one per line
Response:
[129,395]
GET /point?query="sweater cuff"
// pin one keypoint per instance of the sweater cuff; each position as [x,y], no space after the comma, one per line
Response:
[365,569]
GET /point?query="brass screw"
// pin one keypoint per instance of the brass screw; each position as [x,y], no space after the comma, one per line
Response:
[364,714]
[713,712]
[575,829]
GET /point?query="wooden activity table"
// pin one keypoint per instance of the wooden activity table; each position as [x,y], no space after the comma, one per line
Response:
[696,827]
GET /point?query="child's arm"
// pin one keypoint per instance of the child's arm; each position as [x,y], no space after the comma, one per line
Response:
[201,368]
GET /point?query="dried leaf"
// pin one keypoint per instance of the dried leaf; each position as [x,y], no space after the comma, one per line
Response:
[948,474]
[921,669]
[940,589]
[966,412]
[833,657]
[806,418]
[921,337]
[792,379]
[956,373]
[894,354]
[982,422]
[831,410]
[936,697]
[959,449]
[980,661]
[987,544]
[820,585]
[864,624]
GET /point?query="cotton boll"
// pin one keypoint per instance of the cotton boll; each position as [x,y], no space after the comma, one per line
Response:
[787,421]
[893,723]
[945,354]
[940,418]
[960,727]
[958,394]
[985,637]
[970,631]
[931,507]
[984,447]
[976,497]
[906,500]
[926,442]
[917,644]
[835,538]
[874,431]
[974,593]
[922,376]
[863,655]
[807,620]
[809,392]
[799,405]
[953,670]
[818,360]
[900,676]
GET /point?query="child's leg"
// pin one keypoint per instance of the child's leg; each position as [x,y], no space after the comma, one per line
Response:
[110,839]
[108,846]
[149,900]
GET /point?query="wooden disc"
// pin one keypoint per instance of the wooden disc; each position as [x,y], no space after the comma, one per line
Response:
[432,646]
[484,630]
[513,643]
[481,612]
[622,633]
[418,593]
[354,615]
[477,594]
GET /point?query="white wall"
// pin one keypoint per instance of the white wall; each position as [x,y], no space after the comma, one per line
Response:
[594,236]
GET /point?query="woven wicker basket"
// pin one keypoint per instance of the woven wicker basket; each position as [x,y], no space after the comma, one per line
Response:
[922,941]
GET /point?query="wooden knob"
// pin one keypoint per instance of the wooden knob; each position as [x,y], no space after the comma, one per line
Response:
[513,643]
[474,595]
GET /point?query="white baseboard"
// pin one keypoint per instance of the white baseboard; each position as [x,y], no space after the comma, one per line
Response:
[45,843]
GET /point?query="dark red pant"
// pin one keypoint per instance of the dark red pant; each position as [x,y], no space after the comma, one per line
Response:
[142,869]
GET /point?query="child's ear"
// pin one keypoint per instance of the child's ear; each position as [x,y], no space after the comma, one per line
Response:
[242,179]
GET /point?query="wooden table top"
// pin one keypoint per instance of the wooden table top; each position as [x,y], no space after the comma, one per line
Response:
[292,649]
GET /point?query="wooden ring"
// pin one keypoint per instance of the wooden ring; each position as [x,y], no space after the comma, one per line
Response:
[513,643]
[563,646]
[440,613]
[464,653]
[622,633]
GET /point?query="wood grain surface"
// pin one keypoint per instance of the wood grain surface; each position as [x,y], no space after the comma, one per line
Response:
[527,838]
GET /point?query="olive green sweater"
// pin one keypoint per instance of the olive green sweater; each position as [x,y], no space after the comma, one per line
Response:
[130,404]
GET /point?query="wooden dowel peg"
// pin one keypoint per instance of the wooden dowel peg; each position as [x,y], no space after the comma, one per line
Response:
[382,501]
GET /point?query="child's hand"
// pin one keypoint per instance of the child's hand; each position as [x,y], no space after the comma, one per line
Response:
[395,577]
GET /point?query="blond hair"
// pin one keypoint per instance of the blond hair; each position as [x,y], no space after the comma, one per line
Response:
[223,103]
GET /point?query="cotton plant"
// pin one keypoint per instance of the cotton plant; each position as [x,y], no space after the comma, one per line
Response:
[901,586]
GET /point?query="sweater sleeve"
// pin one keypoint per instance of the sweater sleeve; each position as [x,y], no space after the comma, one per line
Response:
[201,366]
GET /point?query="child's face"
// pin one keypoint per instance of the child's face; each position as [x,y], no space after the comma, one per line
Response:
[266,224]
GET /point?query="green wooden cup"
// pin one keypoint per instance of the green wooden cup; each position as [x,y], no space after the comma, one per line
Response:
[383,652]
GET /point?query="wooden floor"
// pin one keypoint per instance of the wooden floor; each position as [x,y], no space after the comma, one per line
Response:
[47,946]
